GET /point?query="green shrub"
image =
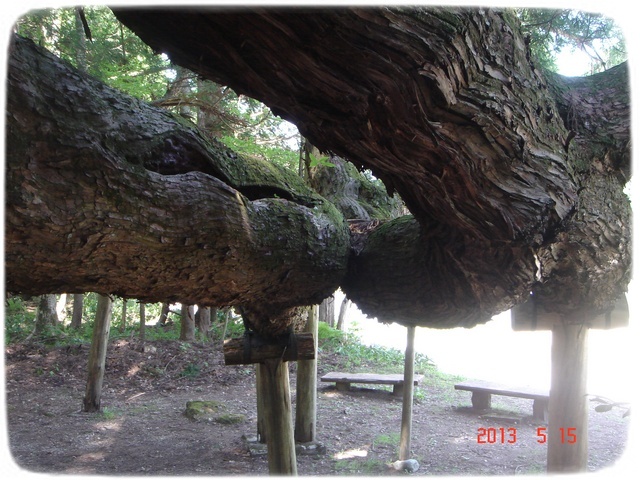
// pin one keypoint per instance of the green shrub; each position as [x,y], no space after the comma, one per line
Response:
[18,320]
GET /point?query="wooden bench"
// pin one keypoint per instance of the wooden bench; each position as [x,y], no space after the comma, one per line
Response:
[481,396]
[343,381]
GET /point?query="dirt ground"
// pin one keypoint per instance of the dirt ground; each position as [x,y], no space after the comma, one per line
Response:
[142,429]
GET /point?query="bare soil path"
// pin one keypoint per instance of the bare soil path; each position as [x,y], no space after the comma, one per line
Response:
[143,430]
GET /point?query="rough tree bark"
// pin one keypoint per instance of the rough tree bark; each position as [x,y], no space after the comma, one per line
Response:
[514,177]
[107,194]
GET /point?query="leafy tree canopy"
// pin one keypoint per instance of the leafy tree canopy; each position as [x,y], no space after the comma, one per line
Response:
[550,30]
[119,58]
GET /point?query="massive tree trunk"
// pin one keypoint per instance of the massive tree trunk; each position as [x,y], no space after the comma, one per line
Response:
[514,179]
[107,194]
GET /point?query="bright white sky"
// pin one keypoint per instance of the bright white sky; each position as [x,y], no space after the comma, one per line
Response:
[572,62]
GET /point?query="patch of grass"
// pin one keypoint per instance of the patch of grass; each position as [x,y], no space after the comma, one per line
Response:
[391,439]
[363,357]
[190,370]
[360,466]
[109,413]
[142,409]
[356,356]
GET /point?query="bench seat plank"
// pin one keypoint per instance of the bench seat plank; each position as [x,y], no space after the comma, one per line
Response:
[481,392]
[497,389]
[343,381]
[372,378]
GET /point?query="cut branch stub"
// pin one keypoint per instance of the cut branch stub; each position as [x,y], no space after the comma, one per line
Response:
[254,348]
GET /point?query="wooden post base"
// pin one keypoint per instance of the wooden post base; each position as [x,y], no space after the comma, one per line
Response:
[276,404]
[568,415]
[407,398]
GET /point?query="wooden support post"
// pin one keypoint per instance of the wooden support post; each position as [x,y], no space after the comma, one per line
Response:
[256,349]
[98,354]
[262,429]
[272,384]
[306,387]
[568,416]
[274,389]
[407,398]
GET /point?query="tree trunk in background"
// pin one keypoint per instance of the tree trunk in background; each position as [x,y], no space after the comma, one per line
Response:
[143,321]
[98,354]
[81,49]
[187,324]
[78,305]
[227,317]
[123,315]
[327,312]
[180,89]
[164,314]
[46,315]
[203,321]
[61,308]
[344,307]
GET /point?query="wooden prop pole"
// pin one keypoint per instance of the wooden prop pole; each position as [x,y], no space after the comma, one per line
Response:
[262,428]
[276,398]
[306,387]
[567,438]
[407,398]
[98,354]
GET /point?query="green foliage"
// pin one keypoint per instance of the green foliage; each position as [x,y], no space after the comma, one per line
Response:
[356,357]
[114,55]
[550,30]
[190,370]
[20,315]
[363,357]
[390,439]
[320,161]
[119,58]
[107,413]
[19,320]
[360,466]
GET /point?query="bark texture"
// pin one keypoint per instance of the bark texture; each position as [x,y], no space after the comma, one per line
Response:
[513,176]
[107,194]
